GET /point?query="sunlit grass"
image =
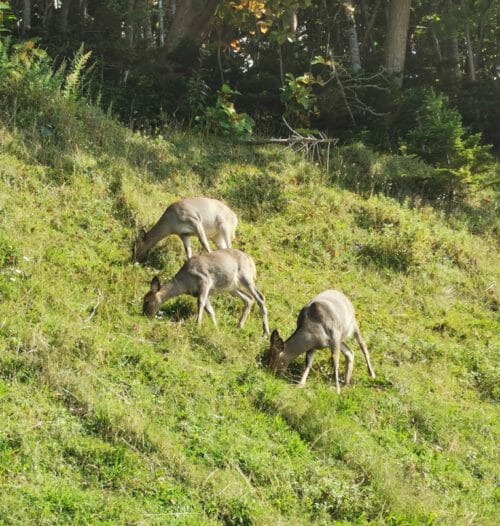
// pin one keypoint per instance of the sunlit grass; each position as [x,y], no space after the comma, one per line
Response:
[111,418]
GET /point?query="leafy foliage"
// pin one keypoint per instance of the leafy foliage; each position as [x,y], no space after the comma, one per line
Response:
[223,119]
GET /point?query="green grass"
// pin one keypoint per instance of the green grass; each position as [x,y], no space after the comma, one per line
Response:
[111,418]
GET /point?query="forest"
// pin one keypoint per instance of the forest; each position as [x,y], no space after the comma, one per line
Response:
[361,69]
[348,145]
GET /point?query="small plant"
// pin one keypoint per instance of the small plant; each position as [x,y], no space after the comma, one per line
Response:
[223,118]
[74,77]
[299,98]
[197,94]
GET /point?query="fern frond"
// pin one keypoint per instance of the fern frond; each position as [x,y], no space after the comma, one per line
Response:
[76,73]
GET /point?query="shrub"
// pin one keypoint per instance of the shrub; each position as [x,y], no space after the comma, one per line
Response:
[439,137]
[223,119]
[402,248]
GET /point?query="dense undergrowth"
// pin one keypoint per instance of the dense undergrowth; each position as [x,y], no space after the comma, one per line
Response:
[110,418]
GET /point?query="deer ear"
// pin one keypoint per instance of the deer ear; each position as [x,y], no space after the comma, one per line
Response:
[155,284]
[276,341]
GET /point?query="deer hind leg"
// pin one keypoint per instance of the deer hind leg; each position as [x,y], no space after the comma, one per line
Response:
[307,370]
[335,350]
[210,311]
[187,245]
[247,300]
[220,241]
[364,349]
[349,362]
[200,232]
[228,236]
[259,298]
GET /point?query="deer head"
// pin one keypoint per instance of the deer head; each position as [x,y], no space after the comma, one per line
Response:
[138,251]
[152,300]
[277,359]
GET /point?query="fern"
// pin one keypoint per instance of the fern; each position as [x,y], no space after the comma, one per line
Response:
[75,74]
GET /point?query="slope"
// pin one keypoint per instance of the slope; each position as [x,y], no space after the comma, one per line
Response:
[111,418]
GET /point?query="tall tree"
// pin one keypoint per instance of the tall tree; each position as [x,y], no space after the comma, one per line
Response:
[63,16]
[450,59]
[26,19]
[161,23]
[396,40]
[468,43]
[191,21]
[353,37]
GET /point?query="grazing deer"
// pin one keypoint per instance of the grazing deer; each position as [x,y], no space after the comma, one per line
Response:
[193,216]
[326,321]
[224,270]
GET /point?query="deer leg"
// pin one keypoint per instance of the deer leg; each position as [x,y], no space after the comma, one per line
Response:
[335,349]
[247,300]
[200,231]
[259,298]
[220,241]
[309,362]
[227,238]
[202,301]
[364,349]
[187,246]
[349,362]
[210,311]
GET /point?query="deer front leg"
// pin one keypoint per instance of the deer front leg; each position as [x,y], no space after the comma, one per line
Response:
[307,370]
[202,302]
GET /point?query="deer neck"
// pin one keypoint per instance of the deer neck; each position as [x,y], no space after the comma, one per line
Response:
[298,343]
[172,289]
[158,232]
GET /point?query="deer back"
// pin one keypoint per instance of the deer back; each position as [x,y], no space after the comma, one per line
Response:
[329,309]
[213,214]
[223,269]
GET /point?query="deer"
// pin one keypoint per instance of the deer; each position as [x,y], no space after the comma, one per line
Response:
[224,270]
[194,216]
[326,321]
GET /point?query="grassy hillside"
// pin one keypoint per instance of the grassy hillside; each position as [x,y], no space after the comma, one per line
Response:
[107,417]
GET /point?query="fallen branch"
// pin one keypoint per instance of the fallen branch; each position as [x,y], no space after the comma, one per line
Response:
[309,145]
[292,141]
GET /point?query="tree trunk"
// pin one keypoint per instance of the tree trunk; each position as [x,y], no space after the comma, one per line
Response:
[397,36]
[63,16]
[148,28]
[83,9]
[293,20]
[26,20]
[191,21]
[161,23]
[129,25]
[47,14]
[353,38]
[450,53]
[370,22]
[468,44]
[485,7]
